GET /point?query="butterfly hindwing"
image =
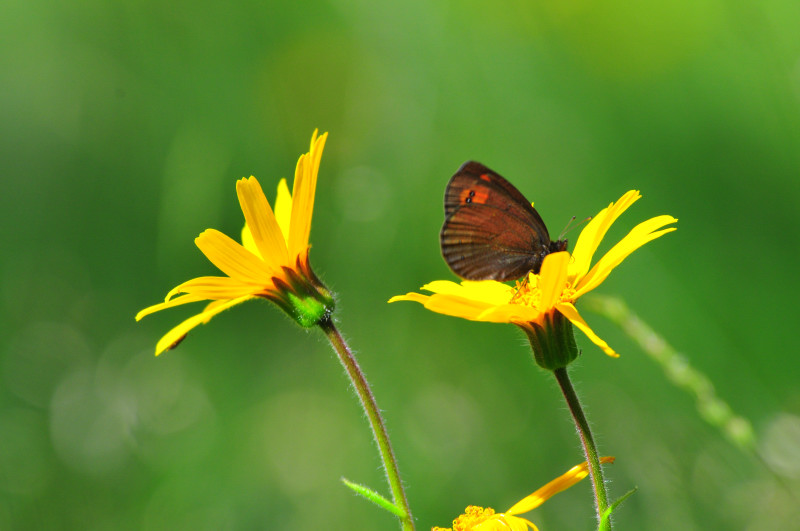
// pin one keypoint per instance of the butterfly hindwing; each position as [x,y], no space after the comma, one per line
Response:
[475,252]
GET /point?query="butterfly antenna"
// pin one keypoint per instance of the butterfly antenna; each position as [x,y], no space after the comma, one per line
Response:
[570,227]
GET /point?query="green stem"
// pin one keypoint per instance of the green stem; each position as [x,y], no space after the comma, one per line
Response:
[589,448]
[375,419]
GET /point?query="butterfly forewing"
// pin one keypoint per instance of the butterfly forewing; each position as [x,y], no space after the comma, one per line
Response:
[474,183]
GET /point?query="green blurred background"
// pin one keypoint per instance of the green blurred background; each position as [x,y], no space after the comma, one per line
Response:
[125,125]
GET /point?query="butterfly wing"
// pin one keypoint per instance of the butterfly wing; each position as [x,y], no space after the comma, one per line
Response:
[475,183]
[490,231]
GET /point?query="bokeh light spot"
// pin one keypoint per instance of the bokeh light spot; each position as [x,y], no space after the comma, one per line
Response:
[780,445]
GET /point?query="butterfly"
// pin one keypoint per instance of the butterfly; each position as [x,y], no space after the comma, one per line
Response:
[490,230]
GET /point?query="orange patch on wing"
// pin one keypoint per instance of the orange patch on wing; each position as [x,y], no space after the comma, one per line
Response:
[477,195]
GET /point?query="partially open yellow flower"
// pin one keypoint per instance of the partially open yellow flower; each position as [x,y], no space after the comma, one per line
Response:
[271,262]
[563,279]
[479,519]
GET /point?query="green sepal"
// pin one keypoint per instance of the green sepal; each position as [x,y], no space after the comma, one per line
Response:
[301,294]
[309,311]
[376,498]
[552,341]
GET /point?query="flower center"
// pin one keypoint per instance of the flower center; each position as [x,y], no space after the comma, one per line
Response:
[568,294]
[473,515]
[529,294]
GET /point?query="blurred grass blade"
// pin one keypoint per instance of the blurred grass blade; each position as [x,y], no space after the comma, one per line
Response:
[375,498]
[676,366]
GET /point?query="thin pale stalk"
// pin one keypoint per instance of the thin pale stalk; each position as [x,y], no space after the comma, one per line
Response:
[589,448]
[376,421]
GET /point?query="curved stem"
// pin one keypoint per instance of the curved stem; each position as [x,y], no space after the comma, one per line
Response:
[589,448]
[375,419]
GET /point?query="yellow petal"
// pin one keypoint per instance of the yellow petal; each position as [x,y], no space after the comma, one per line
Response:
[591,236]
[485,291]
[553,279]
[304,188]
[177,333]
[504,522]
[283,209]
[411,296]
[231,258]
[570,312]
[259,217]
[249,243]
[520,524]
[638,236]
[185,299]
[481,300]
[213,288]
[446,304]
[510,313]
[563,482]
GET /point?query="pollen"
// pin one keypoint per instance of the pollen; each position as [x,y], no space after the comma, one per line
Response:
[568,295]
[473,515]
[528,292]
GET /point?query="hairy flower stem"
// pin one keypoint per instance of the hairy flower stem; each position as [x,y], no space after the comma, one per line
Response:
[589,448]
[375,419]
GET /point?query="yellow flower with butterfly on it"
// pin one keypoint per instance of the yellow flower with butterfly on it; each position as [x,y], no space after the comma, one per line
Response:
[545,302]
[486,519]
[271,262]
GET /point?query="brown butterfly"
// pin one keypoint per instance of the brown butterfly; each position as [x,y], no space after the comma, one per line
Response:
[490,230]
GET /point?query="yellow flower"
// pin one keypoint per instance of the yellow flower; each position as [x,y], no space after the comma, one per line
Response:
[563,279]
[272,261]
[479,519]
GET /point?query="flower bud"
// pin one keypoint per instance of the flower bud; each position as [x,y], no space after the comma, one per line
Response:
[552,341]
